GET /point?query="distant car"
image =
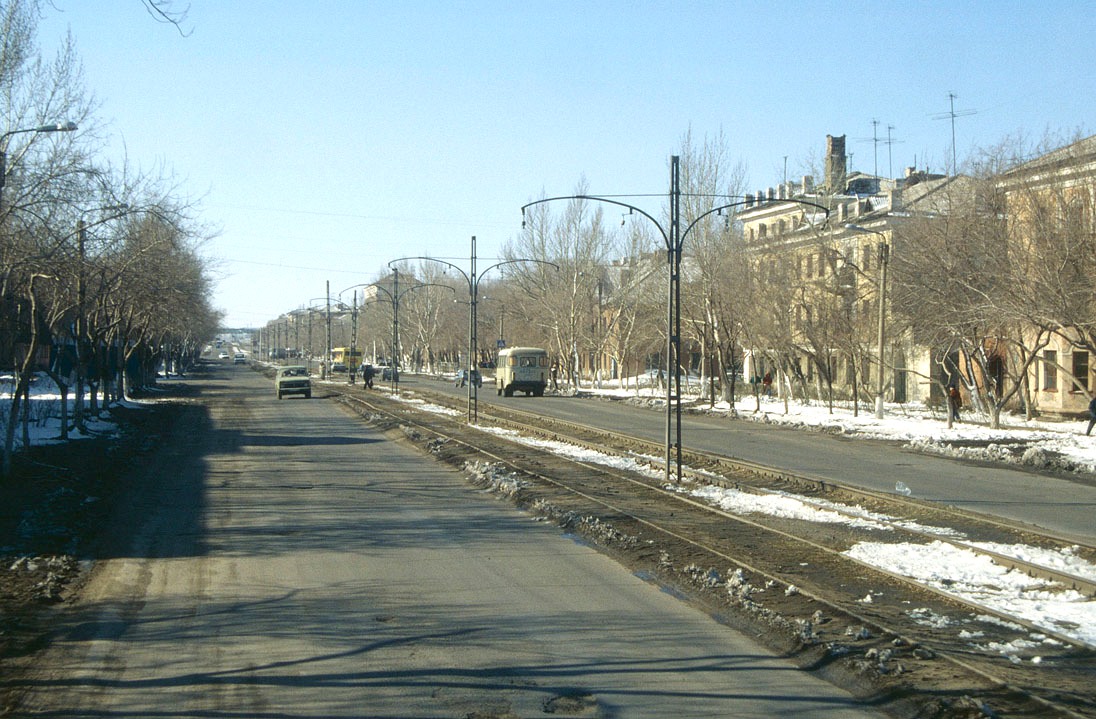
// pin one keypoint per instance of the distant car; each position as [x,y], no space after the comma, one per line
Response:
[222,355]
[338,367]
[293,379]
[389,374]
[239,358]
[462,378]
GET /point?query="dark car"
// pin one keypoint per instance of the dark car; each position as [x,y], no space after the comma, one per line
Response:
[389,374]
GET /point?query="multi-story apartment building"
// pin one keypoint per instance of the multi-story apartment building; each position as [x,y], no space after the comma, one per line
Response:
[822,250]
[1050,205]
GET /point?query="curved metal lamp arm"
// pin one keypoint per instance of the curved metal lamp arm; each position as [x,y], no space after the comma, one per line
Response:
[514,262]
[434,259]
[594,198]
[743,202]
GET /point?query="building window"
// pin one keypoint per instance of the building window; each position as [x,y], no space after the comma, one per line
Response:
[1080,370]
[1050,370]
[810,266]
[761,231]
[865,253]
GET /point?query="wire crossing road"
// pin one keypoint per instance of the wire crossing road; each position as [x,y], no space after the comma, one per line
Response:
[286,561]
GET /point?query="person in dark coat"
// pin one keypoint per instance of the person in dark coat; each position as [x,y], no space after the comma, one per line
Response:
[767,384]
[955,400]
[1091,415]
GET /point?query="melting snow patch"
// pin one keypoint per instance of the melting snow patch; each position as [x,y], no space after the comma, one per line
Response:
[976,578]
[791,506]
[1063,560]
[579,454]
[929,618]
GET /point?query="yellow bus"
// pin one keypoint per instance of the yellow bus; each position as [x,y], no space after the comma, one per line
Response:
[345,359]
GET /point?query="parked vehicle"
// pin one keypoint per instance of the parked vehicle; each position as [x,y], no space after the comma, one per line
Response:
[462,378]
[239,358]
[522,369]
[293,379]
[389,374]
[344,359]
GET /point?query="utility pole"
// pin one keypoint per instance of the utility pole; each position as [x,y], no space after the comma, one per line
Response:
[327,358]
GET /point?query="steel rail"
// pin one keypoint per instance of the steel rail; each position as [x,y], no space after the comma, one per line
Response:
[1084,585]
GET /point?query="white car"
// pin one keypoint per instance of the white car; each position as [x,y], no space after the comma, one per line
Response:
[293,379]
[222,355]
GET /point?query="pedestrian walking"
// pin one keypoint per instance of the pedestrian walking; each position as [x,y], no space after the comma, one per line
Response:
[1091,415]
[767,384]
[955,401]
[367,375]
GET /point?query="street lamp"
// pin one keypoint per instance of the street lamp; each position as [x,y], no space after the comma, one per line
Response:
[473,281]
[53,127]
[884,259]
[395,295]
[674,239]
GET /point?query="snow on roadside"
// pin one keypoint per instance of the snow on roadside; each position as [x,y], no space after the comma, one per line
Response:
[968,574]
[427,406]
[1063,561]
[1038,443]
[44,424]
[975,577]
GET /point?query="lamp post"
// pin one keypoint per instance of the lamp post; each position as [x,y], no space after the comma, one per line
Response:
[674,239]
[884,260]
[473,281]
[395,295]
[53,127]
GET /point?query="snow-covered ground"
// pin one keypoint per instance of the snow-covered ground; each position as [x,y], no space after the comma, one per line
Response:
[44,416]
[1062,445]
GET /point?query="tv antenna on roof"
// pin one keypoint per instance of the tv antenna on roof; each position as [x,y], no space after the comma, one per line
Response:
[953,113]
[876,141]
[889,143]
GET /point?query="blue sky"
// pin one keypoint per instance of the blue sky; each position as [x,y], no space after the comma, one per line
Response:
[326,138]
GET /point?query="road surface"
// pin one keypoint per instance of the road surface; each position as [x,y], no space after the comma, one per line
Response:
[285,561]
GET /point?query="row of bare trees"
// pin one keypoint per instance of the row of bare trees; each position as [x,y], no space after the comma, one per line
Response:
[100,278]
[982,278]
[1006,272]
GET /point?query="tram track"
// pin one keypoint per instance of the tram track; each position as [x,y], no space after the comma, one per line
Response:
[816,600]
[727,471]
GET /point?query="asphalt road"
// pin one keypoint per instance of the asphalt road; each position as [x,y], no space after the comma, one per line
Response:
[1065,505]
[285,561]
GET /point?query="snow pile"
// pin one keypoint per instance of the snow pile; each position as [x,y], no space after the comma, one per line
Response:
[976,578]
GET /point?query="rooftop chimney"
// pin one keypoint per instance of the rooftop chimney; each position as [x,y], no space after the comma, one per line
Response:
[835,164]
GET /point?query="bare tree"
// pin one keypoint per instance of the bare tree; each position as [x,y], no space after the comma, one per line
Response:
[563,302]
[716,265]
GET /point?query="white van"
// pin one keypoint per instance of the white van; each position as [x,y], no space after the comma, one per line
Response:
[522,369]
